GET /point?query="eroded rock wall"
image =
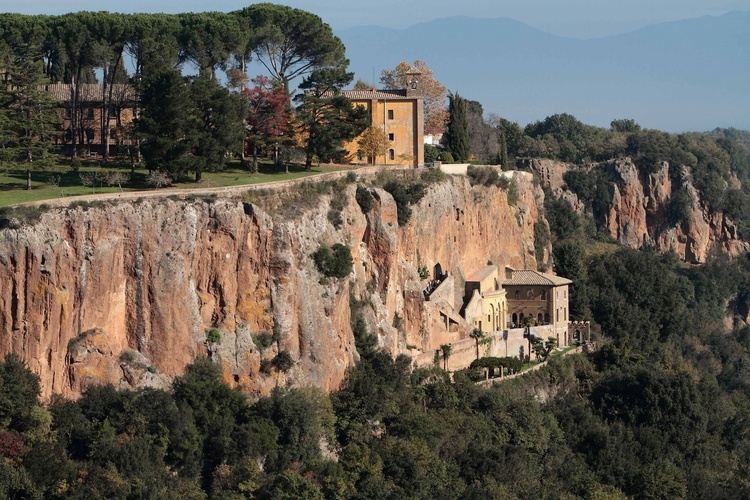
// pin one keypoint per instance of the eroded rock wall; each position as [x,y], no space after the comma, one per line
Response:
[638,209]
[124,293]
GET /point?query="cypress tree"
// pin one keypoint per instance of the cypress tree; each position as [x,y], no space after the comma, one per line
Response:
[458,128]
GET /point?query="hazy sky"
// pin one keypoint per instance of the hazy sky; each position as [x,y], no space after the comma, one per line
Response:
[575,18]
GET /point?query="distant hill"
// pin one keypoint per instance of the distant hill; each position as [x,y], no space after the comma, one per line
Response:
[677,76]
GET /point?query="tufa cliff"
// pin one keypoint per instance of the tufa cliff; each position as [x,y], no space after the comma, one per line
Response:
[636,207]
[126,293]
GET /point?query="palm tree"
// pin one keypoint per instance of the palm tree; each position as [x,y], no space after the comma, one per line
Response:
[477,334]
[446,348]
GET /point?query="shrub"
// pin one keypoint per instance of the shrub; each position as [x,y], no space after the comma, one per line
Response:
[679,207]
[334,262]
[433,175]
[158,179]
[446,157]
[512,192]
[334,217]
[351,176]
[404,193]
[263,340]
[364,199]
[266,366]
[283,361]
[213,335]
[484,176]
[431,153]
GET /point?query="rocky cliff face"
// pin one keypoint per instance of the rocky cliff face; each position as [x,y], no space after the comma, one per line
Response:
[125,293]
[637,212]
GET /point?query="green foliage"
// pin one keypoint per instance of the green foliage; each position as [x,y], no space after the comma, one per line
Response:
[638,298]
[405,193]
[364,199]
[512,192]
[188,125]
[263,340]
[483,176]
[433,175]
[458,128]
[19,390]
[334,262]
[364,341]
[283,361]
[213,335]
[327,116]
[431,153]
[512,364]
[570,262]
[446,157]
[679,207]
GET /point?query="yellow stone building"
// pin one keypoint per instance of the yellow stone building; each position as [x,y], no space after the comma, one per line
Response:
[487,306]
[400,114]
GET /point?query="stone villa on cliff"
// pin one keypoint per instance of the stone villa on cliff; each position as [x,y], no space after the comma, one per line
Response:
[497,303]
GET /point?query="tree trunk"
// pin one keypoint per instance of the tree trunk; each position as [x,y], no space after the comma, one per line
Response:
[28,179]
[198,175]
[108,107]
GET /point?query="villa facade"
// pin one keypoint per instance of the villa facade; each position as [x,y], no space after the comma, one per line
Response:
[400,114]
[486,304]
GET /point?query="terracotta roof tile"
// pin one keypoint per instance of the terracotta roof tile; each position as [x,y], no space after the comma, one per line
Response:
[90,92]
[361,95]
[529,277]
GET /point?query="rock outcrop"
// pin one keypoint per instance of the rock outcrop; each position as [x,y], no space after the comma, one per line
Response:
[638,210]
[125,293]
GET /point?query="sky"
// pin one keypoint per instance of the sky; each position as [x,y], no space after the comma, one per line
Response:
[573,18]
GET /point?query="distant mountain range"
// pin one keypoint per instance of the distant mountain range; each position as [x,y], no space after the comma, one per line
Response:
[678,76]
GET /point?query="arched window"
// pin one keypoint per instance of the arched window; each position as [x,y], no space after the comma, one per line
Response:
[544,295]
[546,317]
[539,318]
[518,295]
[514,319]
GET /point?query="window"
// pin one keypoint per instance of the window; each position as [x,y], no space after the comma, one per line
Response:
[390,137]
[359,155]
[390,114]
[518,295]
[544,295]
[90,113]
[391,154]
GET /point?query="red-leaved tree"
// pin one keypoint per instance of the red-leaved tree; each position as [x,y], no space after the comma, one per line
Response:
[268,117]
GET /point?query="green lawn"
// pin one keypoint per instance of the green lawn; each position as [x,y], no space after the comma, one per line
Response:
[13,181]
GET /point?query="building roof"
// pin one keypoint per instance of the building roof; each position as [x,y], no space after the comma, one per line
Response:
[90,92]
[481,274]
[529,277]
[383,94]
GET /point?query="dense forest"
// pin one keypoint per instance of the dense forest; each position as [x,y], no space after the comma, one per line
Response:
[660,410]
